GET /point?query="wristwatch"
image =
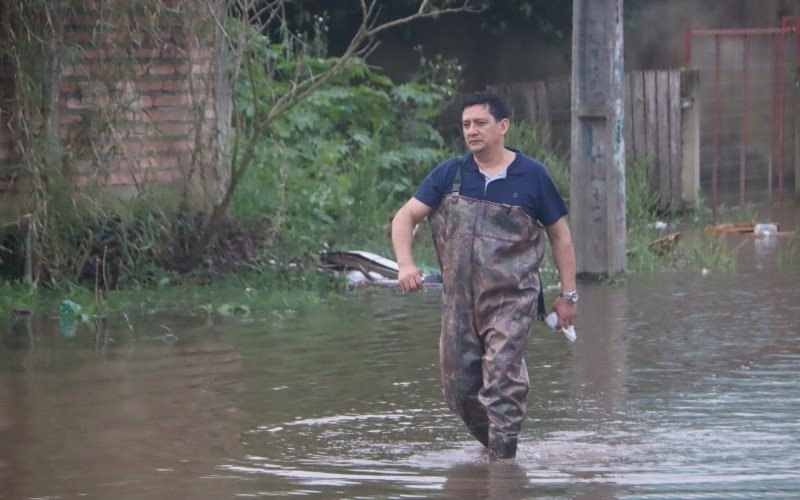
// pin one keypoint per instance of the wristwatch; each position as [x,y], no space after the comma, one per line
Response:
[572,297]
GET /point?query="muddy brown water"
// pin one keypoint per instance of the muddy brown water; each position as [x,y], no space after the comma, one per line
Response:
[680,385]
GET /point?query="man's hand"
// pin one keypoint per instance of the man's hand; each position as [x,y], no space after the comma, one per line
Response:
[566,312]
[564,256]
[410,278]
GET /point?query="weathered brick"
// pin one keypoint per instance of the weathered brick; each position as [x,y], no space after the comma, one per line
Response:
[127,101]
[77,69]
[177,145]
[176,67]
[168,99]
[83,166]
[163,175]
[118,178]
[168,162]
[7,152]
[69,134]
[201,68]
[70,118]
[81,181]
[78,37]
[180,129]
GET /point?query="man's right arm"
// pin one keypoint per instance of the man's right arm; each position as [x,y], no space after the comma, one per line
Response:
[409,215]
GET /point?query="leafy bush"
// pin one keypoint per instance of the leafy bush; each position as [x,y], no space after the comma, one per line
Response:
[336,166]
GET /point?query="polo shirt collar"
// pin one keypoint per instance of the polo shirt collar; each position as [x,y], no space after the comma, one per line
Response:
[512,169]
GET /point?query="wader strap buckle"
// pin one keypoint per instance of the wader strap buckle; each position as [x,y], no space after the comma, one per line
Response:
[455,187]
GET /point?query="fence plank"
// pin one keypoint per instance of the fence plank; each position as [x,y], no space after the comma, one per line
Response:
[518,101]
[560,105]
[675,157]
[690,137]
[639,123]
[528,97]
[503,91]
[662,110]
[628,111]
[542,110]
[796,120]
[651,129]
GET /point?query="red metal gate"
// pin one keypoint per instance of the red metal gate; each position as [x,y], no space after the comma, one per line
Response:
[744,82]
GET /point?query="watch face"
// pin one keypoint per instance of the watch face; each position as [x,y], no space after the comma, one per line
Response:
[570,296]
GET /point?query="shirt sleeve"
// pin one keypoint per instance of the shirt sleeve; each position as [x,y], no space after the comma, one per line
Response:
[551,205]
[435,185]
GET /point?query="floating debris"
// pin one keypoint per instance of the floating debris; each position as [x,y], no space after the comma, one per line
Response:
[366,269]
[666,244]
[748,229]
[731,228]
[365,262]
[20,313]
[767,229]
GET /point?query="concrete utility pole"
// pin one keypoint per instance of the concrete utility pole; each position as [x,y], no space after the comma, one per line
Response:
[597,197]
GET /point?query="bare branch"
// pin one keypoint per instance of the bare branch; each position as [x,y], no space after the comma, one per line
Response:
[359,46]
[422,6]
[268,7]
[421,14]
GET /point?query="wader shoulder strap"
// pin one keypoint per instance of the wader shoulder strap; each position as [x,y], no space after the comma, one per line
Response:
[455,187]
[541,312]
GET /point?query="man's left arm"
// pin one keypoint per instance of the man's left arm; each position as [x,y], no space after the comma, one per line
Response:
[564,256]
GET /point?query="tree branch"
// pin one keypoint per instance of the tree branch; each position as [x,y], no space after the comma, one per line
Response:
[361,44]
[421,14]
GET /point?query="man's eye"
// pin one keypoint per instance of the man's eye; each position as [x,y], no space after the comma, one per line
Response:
[477,123]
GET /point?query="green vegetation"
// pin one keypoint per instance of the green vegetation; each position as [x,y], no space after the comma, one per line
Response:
[330,175]
[788,255]
[312,141]
[338,164]
[324,171]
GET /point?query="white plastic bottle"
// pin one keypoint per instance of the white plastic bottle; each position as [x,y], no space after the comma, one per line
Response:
[569,332]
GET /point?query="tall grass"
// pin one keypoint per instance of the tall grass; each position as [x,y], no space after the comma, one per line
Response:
[534,141]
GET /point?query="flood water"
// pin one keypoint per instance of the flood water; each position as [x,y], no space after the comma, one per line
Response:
[680,385]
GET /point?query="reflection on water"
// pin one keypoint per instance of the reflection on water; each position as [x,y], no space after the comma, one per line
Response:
[680,385]
[106,412]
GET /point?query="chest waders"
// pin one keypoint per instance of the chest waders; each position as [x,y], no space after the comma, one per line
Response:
[490,255]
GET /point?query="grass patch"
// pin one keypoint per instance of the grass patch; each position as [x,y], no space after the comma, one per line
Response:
[240,293]
[787,254]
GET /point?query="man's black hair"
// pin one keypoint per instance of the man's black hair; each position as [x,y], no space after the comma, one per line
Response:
[497,108]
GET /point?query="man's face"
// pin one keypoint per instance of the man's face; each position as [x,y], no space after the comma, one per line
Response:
[481,131]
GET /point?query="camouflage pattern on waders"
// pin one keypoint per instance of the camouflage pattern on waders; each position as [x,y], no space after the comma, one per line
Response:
[490,255]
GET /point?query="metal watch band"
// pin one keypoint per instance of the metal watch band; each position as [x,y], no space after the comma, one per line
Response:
[570,296]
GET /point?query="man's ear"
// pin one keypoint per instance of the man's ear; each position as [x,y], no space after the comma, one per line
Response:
[505,123]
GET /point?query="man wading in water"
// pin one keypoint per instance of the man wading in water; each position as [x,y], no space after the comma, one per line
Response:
[487,210]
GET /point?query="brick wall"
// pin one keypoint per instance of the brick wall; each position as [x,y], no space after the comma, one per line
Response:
[135,96]
[8,156]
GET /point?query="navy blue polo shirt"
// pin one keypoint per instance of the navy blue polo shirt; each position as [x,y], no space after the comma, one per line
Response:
[527,184]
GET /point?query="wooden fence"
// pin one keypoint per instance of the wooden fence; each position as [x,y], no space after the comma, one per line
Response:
[660,125]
